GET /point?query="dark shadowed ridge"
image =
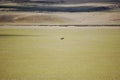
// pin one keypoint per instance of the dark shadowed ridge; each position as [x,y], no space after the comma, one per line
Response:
[57,8]
[61,1]
[72,1]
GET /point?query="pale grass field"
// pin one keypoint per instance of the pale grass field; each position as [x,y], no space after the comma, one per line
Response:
[39,54]
[32,52]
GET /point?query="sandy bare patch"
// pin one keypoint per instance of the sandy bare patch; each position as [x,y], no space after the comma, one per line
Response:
[60,18]
[30,18]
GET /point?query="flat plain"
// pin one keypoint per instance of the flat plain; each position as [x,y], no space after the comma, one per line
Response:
[39,53]
[59,41]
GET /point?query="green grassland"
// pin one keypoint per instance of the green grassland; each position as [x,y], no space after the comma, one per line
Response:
[40,54]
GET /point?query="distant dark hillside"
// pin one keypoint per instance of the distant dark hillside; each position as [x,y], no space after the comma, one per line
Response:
[60,1]
[78,1]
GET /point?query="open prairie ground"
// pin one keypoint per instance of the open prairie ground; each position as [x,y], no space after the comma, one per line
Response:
[60,41]
[90,53]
